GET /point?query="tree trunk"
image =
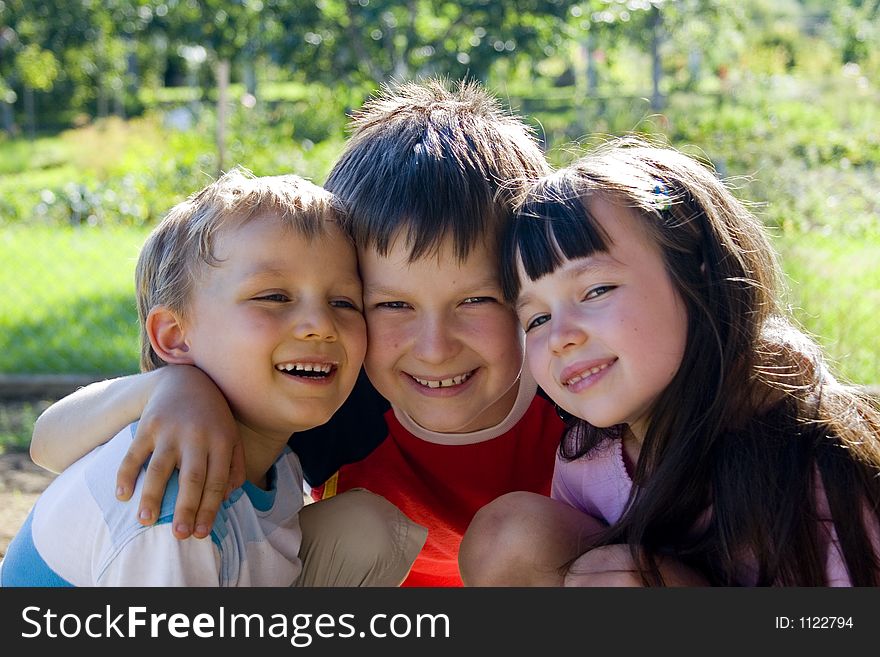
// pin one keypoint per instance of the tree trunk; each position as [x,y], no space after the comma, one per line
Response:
[222,109]
[657,65]
[30,113]
[250,75]
[8,118]
[592,73]
[102,101]
[119,102]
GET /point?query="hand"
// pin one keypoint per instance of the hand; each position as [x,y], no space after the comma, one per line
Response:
[186,424]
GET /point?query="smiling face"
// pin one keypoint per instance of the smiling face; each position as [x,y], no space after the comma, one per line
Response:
[605,334]
[277,324]
[443,348]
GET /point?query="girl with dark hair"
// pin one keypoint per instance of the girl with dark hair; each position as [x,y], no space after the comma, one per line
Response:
[706,431]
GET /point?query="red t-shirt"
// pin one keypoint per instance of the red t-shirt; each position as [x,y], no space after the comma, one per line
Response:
[442,486]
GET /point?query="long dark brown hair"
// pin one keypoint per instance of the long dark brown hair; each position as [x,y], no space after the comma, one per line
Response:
[753,423]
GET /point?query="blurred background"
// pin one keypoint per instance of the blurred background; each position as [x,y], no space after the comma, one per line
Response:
[112,111]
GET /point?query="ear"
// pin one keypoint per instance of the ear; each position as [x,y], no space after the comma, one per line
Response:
[167,336]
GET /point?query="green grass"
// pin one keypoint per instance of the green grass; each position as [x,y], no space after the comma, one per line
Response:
[20,155]
[69,301]
[834,283]
[16,424]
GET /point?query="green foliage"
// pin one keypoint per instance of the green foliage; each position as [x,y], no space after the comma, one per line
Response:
[37,68]
[17,423]
[130,173]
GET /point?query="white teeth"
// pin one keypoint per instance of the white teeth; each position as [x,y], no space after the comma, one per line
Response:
[584,375]
[324,368]
[444,383]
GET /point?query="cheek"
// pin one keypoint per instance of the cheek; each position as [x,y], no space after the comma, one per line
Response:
[383,325]
[354,334]
[538,363]
[498,336]
[384,337]
[382,348]
[664,339]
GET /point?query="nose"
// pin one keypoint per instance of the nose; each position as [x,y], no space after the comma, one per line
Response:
[313,321]
[435,341]
[565,332]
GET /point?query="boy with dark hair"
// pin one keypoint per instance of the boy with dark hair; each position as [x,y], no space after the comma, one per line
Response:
[443,419]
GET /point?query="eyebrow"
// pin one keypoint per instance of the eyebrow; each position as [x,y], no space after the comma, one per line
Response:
[264,269]
[386,291]
[270,269]
[600,263]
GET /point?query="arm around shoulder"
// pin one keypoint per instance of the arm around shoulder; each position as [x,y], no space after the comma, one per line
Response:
[76,424]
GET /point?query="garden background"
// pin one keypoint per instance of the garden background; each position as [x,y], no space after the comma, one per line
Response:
[111,112]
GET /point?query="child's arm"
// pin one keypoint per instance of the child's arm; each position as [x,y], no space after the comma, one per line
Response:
[73,426]
[185,422]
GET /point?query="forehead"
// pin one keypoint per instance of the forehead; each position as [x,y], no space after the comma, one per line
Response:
[269,237]
[399,255]
[624,226]
[266,225]
[432,274]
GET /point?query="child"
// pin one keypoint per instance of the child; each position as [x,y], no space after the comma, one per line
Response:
[443,422]
[708,432]
[252,281]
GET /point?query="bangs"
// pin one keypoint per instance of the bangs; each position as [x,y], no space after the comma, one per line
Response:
[430,164]
[552,225]
[417,189]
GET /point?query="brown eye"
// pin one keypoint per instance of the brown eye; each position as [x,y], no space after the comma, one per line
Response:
[598,291]
[536,322]
[276,298]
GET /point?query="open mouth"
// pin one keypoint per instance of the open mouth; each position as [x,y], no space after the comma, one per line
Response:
[586,374]
[449,382]
[316,371]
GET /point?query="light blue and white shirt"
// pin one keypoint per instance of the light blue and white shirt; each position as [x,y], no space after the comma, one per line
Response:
[79,534]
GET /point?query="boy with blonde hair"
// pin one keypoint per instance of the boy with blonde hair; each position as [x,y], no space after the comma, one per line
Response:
[252,281]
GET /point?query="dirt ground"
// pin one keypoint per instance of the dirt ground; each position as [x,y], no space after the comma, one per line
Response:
[20,483]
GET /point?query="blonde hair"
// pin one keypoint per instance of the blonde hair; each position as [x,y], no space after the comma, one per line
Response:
[182,243]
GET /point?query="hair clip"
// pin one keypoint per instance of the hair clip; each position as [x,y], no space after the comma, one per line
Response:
[662,197]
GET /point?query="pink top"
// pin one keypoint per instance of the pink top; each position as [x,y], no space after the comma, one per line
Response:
[599,484]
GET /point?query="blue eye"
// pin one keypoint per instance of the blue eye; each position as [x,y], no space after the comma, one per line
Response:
[393,305]
[473,300]
[537,321]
